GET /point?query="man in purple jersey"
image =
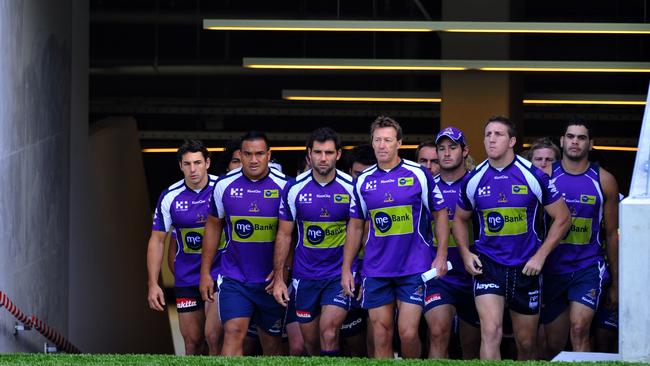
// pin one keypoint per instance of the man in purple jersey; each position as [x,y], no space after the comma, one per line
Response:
[245,204]
[453,292]
[318,204]
[185,205]
[575,272]
[427,156]
[505,192]
[397,196]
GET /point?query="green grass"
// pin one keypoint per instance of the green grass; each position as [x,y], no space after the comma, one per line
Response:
[43,359]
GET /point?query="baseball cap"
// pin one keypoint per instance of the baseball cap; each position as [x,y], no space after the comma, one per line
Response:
[453,134]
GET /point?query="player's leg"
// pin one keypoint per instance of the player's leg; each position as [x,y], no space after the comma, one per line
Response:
[379,299]
[439,320]
[252,346]
[470,340]
[271,343]
[524,310]
[307,294]
[555,314]
[335,306]
[585,294]
[490,311]
[236,309]
[191,326]
[469,325]
[382,330]
[580,318]
[557,333]
[489,297]
[191,318]
[524,327]
[295,338]
[233,336]
[410,293]
[310,336]
[213,327]
[331,319]
[270,318]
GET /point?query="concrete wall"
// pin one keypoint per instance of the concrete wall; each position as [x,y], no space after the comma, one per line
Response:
[108,278]
[35,72]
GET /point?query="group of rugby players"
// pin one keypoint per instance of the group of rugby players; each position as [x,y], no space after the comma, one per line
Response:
[258,253]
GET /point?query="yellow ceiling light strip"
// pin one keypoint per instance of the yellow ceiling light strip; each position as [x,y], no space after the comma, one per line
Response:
[276,148]
[585,99]
[423,26]
[366,99]
[601,147]
[355,67]
[446,65]
[591,102]
[564,69]
[316,25]
[175,149]
[361,96]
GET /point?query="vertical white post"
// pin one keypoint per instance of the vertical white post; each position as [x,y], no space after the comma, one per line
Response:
[634,256]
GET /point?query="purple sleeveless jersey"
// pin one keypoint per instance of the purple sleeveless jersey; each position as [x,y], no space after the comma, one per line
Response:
[581,246]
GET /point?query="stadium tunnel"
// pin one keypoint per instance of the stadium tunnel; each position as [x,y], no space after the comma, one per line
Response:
[87,86]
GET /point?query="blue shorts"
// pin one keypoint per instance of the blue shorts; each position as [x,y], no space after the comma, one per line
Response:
[584,286]
[379,291]
[291,309]
[439,292]
[522,293]
[311,295]
[250,300]
[606,318]
[188,299]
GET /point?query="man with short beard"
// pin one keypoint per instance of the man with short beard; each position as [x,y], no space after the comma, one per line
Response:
[318,204]
[575,273]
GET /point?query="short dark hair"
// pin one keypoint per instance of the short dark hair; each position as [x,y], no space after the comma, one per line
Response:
[192,146]
[255,135]
[579,122]
[385,121]
[427,143]
[229,150]
[544,143]
[363,154]
[512,128]
[324,134]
